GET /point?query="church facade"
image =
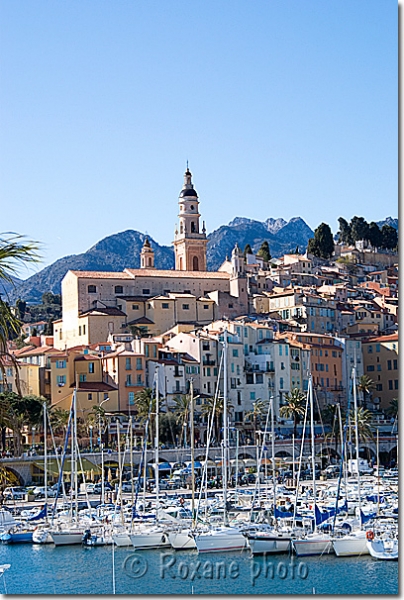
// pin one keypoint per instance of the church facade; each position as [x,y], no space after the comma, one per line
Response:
[97,303]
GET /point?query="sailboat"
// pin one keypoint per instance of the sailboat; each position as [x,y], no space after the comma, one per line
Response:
[147,536]
[315,543]
[224,538]
[355,543]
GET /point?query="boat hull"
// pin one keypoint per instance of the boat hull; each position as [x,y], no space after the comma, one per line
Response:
[122,539]
[383,549]
[261,544]
[182,540]
[220,541]
[351,546]
[67,537]
[313,547]
[142,541]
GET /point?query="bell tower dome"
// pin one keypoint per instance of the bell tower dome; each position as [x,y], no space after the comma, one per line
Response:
[189,239]
[147,256]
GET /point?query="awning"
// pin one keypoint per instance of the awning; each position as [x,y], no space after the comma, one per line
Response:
[52,466]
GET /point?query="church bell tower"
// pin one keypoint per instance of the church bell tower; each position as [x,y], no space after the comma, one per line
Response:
[189,241]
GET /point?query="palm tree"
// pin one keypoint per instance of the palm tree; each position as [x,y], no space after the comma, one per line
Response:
[393,408]
[145,403]
[295,407]
[365,385]
[59,419]
[364,419]
[182,405]
[14,251]
[208,409]
[260,408]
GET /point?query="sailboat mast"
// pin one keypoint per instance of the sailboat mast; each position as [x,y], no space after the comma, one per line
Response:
[224,469]
[157,443]
[273,450]
[45,458]
[74,465]
[191,390]
[356,433]
[313,456]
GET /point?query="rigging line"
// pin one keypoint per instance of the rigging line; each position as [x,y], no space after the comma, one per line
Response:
[300,458]
[210,429]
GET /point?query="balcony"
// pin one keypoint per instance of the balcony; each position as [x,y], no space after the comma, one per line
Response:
[208,362]
[134,384]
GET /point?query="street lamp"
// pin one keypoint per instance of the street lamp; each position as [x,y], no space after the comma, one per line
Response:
[33,437]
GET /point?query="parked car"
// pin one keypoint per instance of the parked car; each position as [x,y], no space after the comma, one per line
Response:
[98,487]
[14,493]
[39,492]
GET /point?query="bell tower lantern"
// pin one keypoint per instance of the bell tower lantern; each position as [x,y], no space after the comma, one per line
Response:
[190,240]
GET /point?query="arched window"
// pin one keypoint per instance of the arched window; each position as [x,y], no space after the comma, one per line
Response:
[180,263]
[195,264]
[193,228]
[181,228]
[150,261]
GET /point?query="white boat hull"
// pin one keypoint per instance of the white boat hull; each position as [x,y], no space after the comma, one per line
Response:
[182,540]
[315,546]
[351,545]
[142,541]
[223,540]
[383,549]
[67,537]
[261,544]
[122,539]
[42,536]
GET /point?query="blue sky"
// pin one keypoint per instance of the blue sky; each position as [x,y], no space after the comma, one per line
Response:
[283,108]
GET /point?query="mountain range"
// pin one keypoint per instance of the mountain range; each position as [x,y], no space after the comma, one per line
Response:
[122,250]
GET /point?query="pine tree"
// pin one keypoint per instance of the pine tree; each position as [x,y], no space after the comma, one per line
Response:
[247,250]
[264,251]
[322,245]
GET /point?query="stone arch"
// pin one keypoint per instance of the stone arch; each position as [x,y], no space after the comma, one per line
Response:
[150,261]
[195,263]
[180,263]
[283,454]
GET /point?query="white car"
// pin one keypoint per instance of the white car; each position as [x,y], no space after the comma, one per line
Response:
[39,492]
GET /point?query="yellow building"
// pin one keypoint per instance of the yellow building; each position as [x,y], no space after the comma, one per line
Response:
[380,363]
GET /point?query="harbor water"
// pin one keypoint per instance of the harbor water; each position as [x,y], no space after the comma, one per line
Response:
[47,569]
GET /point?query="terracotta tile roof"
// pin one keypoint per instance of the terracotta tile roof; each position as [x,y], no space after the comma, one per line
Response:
[141,321]
[100,312]
[38,351]
[94,386]
[177,274]
[101,274]
[393,337]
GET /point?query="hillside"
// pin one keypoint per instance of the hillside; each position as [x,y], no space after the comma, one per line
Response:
[121,250]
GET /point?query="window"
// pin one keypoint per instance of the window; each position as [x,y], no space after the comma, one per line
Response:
[205,306]
[135,306]
[165,305]
[370,349]
[259,378]
[82,377]
[89,396]
[131,398]
[208,371]
[390,384]
[230,305]
[389,365]
[139,379]
[379,367]
[286,350]
[118,289]
[281,383]
[249,378]
[79,329]
[235,352]
[379,387]
[139,364]
[146,350]
[128,379]
[128,364]
[239,398]
[84,330]
[60,364]
[185,306]
[61,380]
[395,364]
[378,347]
[91,367]
[370,368]
[280,349]
[92,289]
[146,292]
[252,395]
